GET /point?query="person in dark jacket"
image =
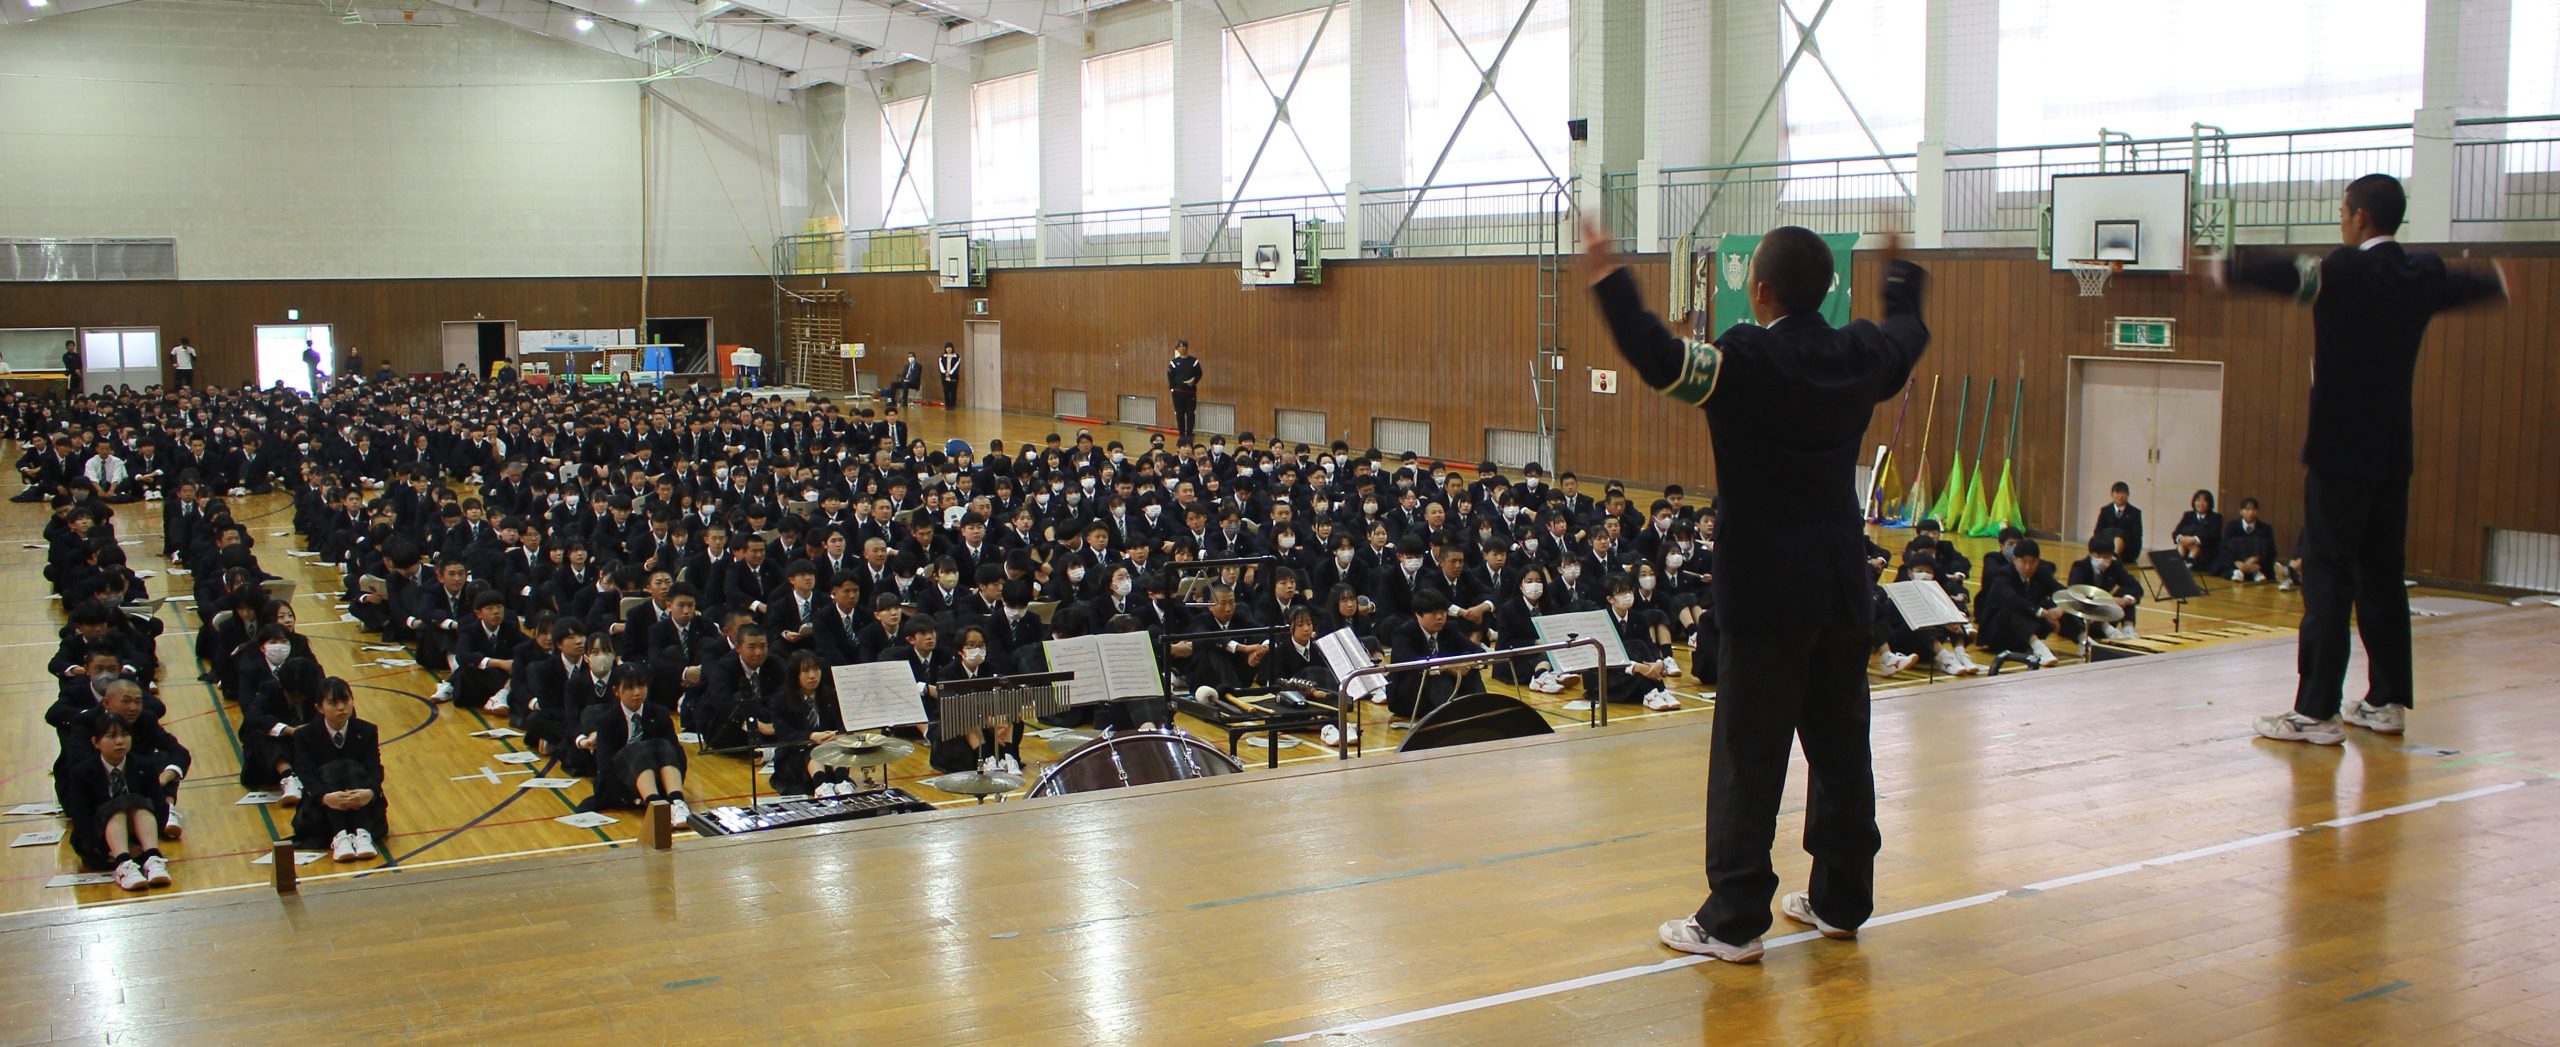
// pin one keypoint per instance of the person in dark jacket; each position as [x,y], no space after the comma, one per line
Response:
[2370,304]
[1788,402]
[339,757]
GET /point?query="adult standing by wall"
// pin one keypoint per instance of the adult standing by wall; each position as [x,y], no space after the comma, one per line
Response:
[1182,378]
[71,367]
[182,359]
[311,362]
[2370,303]
[950,366]
[1788,403]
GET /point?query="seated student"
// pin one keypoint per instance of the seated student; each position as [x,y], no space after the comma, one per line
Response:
[540,693]
[589,686]
[2248,550]
[83,690]
[798,716]
[791,618]
[1997,559]
[1413,695]
[1221,665]
[1943,645]
[267,723]
[2100,568]
[999,750]
[94,627]
[436,614]
[2199,533]
[339,758]
[120,699]
[1015,633]
[678,645]
[484,654]
[1648,663]
[112,796]
[2015,609]
[638,760]
[734,688]
[534,646]
[2120,516]
[1345,607]
[920,652]
[1515,626]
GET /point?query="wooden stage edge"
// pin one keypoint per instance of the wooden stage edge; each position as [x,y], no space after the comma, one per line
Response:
[2100,853]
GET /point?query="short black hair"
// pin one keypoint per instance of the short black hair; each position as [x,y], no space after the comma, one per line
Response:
[2027,547]
[1796,265]
[2382,200]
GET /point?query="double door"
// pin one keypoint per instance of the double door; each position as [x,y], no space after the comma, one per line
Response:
[2154,425]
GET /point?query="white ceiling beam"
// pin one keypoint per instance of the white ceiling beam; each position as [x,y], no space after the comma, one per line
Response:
[1020,16]
[814,59]
[614,38]
[893,36]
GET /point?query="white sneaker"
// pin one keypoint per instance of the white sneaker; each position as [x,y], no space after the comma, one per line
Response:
[156,870]
[1330,735]
[497,703]
[1009,765]
[1891,662]
[1670,666]
[2239,575]
[1545,683]
[2295,727]
[443,693]
[678,814]
[1661,702]
[2380,719]
[2127,632]
[129,876]
[170,829]
[1798,905]
[364,845]
[2284,584]
[823,789]
[2044,655]
[1954,663]
[2258,577]
[342,847]
[1684,935]
[291,794]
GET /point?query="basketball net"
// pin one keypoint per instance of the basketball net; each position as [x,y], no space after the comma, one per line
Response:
[2093,275]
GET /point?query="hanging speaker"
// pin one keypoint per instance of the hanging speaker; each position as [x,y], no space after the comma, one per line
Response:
[1578,128]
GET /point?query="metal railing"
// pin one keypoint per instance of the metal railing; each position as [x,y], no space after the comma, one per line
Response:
[1598,715]
[1210,228]
[1466,218]
[1867,194]
[1121,236]
[1618,205]
[2507,173]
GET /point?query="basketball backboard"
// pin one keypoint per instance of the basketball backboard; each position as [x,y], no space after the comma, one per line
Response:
[2137,218]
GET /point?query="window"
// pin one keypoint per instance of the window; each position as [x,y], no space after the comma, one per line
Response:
[906,163]
[2150,69]
[1874,57]
[1310,154]
[1004,147]
[1128,128]
[2533,65]
[1534,83]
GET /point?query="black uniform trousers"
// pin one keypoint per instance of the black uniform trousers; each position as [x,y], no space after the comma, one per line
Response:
[1186,413]
[2354,546]
[1774,688]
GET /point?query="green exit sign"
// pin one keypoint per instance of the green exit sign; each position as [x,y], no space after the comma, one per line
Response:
[2145,333]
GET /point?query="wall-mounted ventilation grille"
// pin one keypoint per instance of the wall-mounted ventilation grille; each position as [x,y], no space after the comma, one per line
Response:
[88,258]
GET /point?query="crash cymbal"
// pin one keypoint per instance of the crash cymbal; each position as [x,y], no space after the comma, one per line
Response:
[977,783]
[851,753]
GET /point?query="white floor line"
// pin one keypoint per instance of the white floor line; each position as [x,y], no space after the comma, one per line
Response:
[1624,973]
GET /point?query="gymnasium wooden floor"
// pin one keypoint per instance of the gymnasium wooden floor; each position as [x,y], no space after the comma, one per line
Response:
[2093,854]
[446,809]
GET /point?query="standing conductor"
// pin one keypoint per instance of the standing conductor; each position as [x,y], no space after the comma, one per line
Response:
[2370,302]
[1182,377]
[1787,403]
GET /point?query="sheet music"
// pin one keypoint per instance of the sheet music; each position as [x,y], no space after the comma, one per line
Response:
[1345,654]
[1923,604]
[1592,624]
[1081,655]
[872,695]
[374,585]
[1129,664]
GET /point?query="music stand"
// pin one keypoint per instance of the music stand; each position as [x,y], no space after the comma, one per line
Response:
[2177,583]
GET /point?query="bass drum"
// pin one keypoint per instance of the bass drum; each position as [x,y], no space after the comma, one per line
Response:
[1118,761]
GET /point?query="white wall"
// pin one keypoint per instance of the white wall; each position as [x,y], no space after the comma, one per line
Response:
[275,142]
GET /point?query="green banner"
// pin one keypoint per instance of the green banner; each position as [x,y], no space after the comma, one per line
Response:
[1733,275]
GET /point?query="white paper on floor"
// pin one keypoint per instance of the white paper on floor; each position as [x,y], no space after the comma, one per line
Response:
[39,807]
[80,879]
[130,541]
[547,783]
[257,799]
[300,857]
[39,838]
[519,758]
[395,663]
[388,648]
[498,732]
[587,820]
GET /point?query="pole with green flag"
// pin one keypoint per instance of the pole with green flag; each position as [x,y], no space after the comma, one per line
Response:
[2004,505]
[1916,501]
[1952,498]
[1974,510]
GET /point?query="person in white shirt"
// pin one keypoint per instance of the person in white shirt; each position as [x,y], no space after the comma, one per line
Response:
[182,359]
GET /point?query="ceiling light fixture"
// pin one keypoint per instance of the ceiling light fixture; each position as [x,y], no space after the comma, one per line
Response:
[585,23]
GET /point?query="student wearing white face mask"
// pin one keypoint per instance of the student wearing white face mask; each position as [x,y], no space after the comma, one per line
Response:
[1514,627]
[999,749]
[268,719]
[2101,568]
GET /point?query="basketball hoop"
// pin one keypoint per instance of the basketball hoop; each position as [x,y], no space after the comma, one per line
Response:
[2092,275]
